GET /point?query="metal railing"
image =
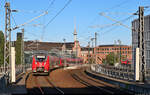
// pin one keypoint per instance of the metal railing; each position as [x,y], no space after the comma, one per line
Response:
[19,69]
[124,73]
[6,75]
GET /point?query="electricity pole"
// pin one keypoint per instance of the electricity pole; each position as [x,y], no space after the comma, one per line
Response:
[141,42]
[95,47]
[120,51]
[64,51]
[7,45]
[89,52]
[22,51]
[92,39]
[95,39]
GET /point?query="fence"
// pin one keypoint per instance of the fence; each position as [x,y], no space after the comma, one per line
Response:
[124,73]
[19,69]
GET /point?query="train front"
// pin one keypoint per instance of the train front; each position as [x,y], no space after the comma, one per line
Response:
[40,64]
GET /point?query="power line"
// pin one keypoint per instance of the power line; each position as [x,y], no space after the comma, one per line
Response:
[116,23]
[13,20]
[58,13]
[118,5]
[43,28]
[50,5]
[115,6]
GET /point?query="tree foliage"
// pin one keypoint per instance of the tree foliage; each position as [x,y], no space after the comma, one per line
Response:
[111,59]
[1,48]
[18,50]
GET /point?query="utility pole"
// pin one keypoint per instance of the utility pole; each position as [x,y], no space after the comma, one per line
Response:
[120,51]
[141,43]
[7,45]
[76,51]
[64,51]
[95,47]
[95,39]
[114,51]
[22,51]
[92,39]
[89,52]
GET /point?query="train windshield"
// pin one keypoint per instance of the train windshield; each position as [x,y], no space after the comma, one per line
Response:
[40,58]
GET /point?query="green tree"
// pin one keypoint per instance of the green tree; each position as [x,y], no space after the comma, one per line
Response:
[111,59]
[18,50]
[1,48]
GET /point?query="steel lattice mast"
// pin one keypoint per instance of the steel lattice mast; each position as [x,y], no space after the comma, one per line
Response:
[7,45]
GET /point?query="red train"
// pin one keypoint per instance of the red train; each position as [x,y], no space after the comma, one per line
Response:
[43,63]
[126,62]
[40,64]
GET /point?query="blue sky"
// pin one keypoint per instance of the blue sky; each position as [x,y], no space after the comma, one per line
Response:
[84,13]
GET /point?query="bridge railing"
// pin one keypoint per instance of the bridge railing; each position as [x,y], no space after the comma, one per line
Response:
[19,69]
[147,74]
[125,73]
[1,70]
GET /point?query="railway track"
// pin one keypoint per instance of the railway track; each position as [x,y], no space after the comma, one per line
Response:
[38,88]
[98,89]
[98,85]
[51,83]
[70,81]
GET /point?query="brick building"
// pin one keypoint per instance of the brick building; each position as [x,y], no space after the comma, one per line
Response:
[103,50]
[86,54]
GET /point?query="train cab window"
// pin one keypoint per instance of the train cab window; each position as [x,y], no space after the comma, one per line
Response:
[40,58]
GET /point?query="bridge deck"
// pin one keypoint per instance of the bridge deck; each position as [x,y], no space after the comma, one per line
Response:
[122,83]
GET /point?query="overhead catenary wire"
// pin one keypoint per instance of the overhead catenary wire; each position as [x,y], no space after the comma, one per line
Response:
[51,3]
[58,13]
[43,28]
[13,19]
[113,7]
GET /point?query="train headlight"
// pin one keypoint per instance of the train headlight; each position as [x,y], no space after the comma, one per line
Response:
[45,70]
[34,70]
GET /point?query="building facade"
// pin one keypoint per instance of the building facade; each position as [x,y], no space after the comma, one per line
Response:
[135,40]
[102,51]
[86,54]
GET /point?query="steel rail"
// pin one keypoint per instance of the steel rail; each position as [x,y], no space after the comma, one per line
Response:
[51,83]
[38,85]
[89,84]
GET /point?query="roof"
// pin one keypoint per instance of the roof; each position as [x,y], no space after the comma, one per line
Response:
[111,45]
[47,46]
